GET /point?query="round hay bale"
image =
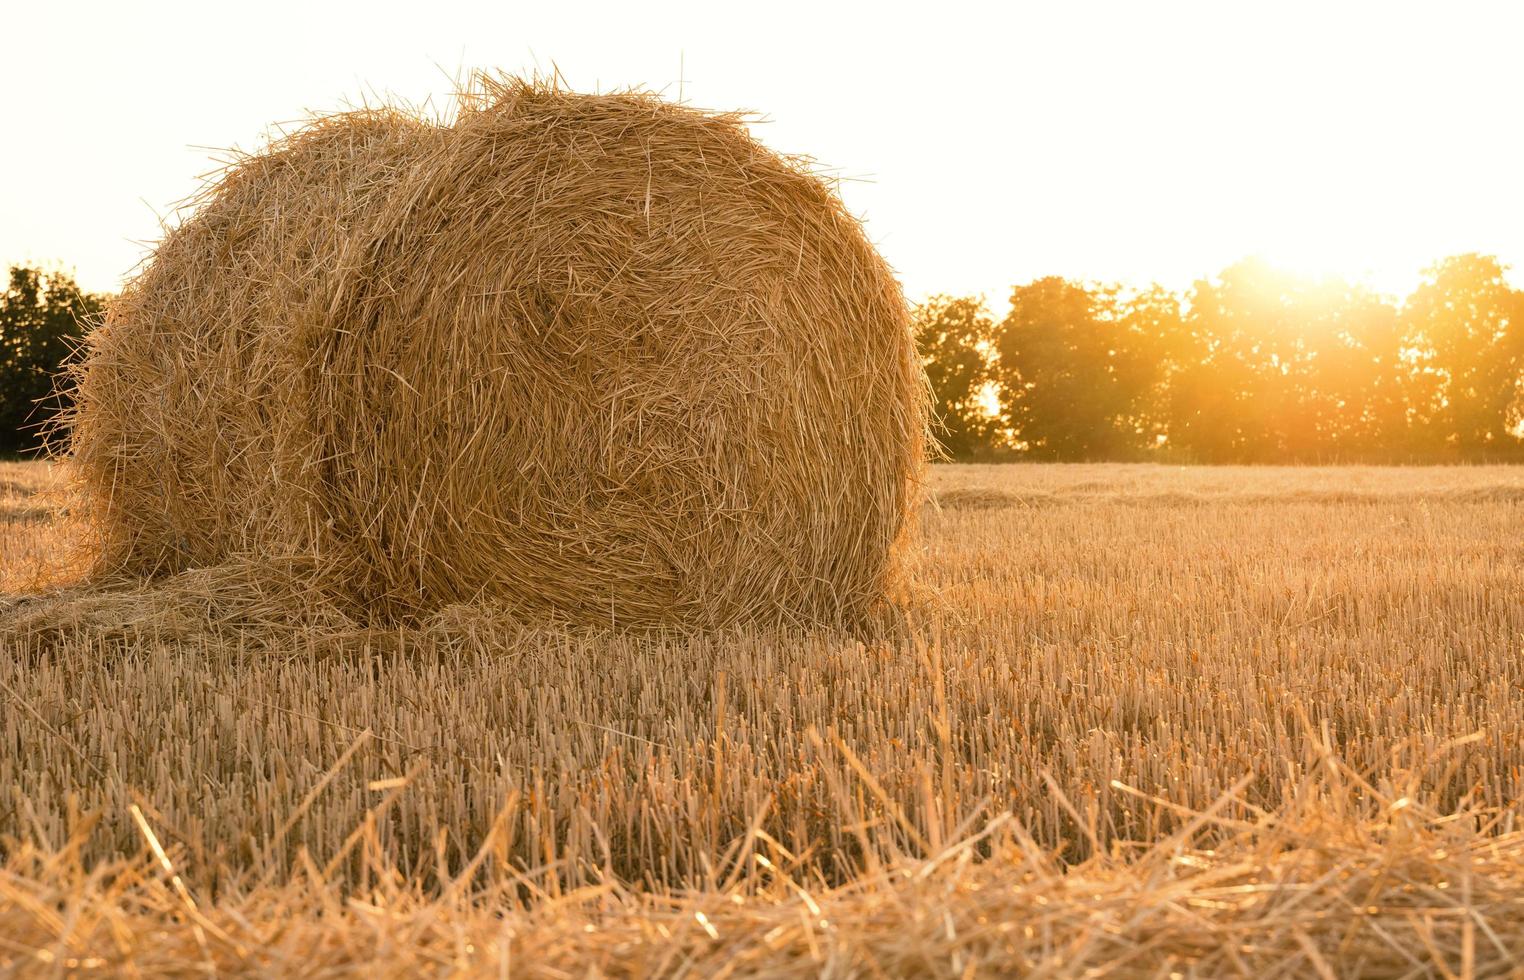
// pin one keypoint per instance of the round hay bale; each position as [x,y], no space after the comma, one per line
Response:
[599,359]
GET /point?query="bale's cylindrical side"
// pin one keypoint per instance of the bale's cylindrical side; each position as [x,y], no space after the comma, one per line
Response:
[190,440]
[597,358]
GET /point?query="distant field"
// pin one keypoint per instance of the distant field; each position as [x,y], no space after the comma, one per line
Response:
[1138,719]
[29,541]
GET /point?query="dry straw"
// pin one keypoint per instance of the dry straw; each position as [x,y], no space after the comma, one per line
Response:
[602,359]
[1345,879]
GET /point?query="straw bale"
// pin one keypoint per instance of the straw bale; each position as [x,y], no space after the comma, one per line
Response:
[600,358]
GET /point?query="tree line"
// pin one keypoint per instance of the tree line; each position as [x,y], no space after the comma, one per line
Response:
[1252,366]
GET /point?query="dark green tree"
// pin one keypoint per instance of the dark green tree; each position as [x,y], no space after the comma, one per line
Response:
[42,316]
[955,335]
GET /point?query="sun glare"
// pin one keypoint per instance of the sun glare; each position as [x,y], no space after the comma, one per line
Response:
[1390,276]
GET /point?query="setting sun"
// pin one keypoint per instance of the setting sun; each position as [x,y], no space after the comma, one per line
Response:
[1391,275]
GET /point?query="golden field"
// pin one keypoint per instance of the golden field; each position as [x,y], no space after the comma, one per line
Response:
[1130,719]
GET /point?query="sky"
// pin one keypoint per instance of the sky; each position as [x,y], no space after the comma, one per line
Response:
[983,144]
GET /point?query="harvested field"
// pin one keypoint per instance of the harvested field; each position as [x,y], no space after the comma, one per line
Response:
[29,526]
[1134,719]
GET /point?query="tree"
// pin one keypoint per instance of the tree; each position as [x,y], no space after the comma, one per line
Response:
[1358,381]
[954,335]
[42,316]
[1466,327]
[1258,365]
[1269,366]
[1232,374]
[1076,366]
[1150,328]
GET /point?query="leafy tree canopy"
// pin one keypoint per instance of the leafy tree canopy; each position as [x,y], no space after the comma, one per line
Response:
[42,316]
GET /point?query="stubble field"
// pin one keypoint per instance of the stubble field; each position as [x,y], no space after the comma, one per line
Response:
[1129,719]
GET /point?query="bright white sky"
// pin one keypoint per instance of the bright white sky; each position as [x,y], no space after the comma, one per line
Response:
[999,142]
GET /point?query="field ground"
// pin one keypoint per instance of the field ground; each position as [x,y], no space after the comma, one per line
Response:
[1132,720]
